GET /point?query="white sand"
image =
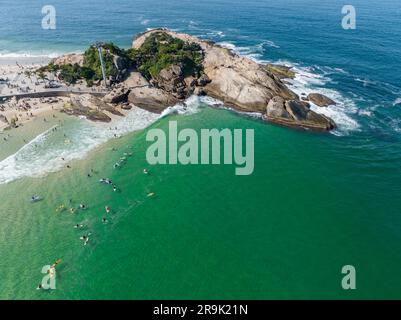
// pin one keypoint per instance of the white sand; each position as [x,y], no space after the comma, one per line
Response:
[17,79]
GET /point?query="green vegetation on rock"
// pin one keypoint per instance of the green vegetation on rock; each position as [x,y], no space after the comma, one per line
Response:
[158,52]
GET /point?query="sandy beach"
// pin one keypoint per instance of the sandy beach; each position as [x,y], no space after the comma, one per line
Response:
[18,86]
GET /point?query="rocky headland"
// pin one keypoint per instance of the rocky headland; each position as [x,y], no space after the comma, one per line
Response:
[164,68]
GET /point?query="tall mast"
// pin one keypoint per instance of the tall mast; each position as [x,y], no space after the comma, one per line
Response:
[99,46]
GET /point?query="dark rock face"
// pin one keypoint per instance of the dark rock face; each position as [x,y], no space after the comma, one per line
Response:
[82,106]
[282,72]
[101,105]
[117,95]
[171,80]
[294,113]
[151,99]
[276,108]
[321,100]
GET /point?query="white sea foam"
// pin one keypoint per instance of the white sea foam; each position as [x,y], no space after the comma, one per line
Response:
[190,106]
[44,153]
[396,102]
[9,55]
[307,81]
[254,52]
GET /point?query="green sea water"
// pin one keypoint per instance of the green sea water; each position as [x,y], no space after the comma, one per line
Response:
[314,203]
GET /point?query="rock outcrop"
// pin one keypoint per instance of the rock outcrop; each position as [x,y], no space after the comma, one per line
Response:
[282,72]
[172,80]
[83,105]
[117,95]
[294,113]
[321,100]
[73,58]
[238,82]
[138,91]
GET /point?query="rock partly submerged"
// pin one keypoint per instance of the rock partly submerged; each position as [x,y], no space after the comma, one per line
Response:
[85,106]
[321,100]
[297,114]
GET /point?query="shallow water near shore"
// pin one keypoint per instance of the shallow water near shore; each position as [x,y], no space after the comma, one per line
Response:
[315,202]
[192,239]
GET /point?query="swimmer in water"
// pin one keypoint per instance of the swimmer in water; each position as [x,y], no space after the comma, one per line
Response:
[107,209]
[78,226]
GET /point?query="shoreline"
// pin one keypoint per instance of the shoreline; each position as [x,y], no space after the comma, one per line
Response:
[23,96]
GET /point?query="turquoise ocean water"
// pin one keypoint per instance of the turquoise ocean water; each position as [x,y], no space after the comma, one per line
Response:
[315,203]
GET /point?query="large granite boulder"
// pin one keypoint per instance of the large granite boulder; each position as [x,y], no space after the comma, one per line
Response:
[280,71]
[294,113]
[151,99]
[321,100]
[73,58]
[241,82]
[172,80]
